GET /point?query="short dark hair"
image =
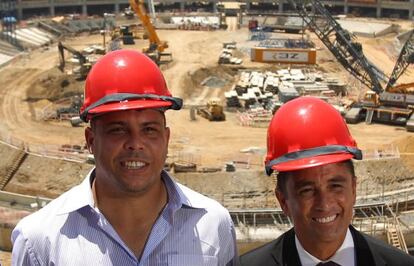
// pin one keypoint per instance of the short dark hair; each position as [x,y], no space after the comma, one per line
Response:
[281,177]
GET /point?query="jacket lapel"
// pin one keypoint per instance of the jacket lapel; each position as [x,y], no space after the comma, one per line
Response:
[290,255]
[364,254]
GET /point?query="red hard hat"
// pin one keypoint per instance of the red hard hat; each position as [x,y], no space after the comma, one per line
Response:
[124,80]
[308,132]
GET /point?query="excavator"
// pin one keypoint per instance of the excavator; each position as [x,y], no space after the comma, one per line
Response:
[156,47]
[84,64]
[379,105]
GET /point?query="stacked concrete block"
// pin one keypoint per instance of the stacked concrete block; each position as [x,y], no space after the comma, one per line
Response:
[269,90]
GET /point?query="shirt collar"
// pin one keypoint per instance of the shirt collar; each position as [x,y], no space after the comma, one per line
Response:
[345,255]
[178,195]
[84,195]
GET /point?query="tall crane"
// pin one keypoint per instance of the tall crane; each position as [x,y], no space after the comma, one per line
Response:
[156,47]
[340,42]
[378,105]
[405,58]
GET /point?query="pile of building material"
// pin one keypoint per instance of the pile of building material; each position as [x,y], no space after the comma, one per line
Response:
[259,35]
[286,43]
[264,92]
[255,117]
[196,22]
[289,24]
[226,55]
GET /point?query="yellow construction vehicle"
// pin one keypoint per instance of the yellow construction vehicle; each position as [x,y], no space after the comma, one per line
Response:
[84,64]
[156,47]
[213,111]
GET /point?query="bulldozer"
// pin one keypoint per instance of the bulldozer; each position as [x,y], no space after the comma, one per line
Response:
[213,111]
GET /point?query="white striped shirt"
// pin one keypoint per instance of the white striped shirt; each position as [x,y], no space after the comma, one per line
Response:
[192,230]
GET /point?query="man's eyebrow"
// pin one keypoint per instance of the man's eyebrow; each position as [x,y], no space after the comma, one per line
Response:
[152,123]
[112,123]
[304,183]
[338,179]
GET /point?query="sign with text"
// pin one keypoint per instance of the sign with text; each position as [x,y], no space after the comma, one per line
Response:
[286,56]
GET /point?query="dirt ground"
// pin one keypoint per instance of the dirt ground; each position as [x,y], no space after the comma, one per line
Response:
[26,92]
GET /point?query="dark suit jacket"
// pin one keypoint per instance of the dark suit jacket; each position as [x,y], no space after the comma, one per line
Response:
[369,251]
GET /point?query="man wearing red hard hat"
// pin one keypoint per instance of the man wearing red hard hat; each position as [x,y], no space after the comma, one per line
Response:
[311,150]
[128,210]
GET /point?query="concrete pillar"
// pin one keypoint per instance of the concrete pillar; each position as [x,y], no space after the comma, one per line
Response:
[281,6]
[411,10]
[182,4]
[52,10]
[379,4]
[84,9]
[116,8]
[215,7]
[19,12]
[346,8]
[248,6]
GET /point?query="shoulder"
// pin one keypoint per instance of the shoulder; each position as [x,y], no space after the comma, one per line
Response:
[389,254]
[47,220]
[264,255]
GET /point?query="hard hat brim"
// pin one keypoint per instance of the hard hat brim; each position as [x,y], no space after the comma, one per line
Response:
[129,105]
[313,161]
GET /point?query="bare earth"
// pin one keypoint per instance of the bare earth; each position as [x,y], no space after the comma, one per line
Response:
[207,143]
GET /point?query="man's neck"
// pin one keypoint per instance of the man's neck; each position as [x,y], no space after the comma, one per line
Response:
[130,207]
[132,217]
[343,255]
[322,250]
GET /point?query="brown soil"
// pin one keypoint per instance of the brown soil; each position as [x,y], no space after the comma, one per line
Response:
[207,143]
[54,85]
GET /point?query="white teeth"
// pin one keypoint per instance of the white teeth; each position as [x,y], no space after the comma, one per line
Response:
[134,164]
[325,219]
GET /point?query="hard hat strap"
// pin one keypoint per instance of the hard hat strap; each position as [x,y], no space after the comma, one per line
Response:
[177,103]
[325,150]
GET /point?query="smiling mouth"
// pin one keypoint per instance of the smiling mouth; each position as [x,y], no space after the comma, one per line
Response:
[324,220]
[133,165]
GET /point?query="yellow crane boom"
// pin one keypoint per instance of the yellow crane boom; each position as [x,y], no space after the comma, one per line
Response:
[155,43]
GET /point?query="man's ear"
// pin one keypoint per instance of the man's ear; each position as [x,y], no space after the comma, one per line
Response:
[89,138]
[167,133]
[281,197]
[354,183]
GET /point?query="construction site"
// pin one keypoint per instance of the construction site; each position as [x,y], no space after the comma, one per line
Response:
[234,64]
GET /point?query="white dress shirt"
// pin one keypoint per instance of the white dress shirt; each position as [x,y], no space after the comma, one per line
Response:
[344,256]
[191,230]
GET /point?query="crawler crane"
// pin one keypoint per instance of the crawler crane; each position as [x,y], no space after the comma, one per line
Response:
[378,105]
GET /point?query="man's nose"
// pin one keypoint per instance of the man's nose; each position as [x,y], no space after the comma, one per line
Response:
[135,141]
[323,199]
